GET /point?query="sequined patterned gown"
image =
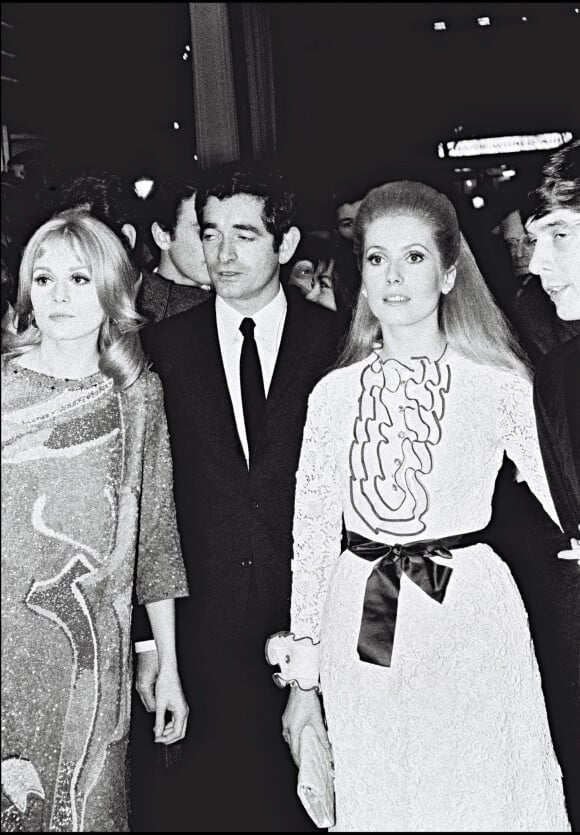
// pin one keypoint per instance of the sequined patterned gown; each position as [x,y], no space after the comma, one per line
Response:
[453,736]
[86,482]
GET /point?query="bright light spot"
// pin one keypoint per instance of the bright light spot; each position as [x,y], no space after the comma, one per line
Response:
[176,125]
[185,56]
[525,19]
[187,47]
[470,183]
[478,202]
[508,173]
[143,186]
[484,21]
[440,150]
[439,25]
[506,144]
[195,156]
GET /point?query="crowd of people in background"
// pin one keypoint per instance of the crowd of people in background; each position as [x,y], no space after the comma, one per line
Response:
[355,446]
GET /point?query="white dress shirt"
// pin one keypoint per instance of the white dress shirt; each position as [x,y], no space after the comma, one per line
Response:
[268,335]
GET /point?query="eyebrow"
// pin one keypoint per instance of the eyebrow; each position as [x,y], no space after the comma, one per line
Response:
[244,227]
[40,266]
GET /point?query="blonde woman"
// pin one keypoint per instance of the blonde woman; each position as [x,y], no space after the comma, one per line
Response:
[87,512]
[416,635]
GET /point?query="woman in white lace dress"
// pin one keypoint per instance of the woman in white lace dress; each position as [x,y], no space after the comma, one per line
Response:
[416,636]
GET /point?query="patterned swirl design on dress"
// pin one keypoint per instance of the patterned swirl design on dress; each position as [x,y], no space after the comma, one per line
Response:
[61,599]
[398,424]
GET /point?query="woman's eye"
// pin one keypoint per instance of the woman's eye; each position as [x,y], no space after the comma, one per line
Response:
[41,280]
[79,278]
[416,257]
[375,259]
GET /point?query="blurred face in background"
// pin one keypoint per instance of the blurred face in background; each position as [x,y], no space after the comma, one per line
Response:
[556,259]
[518,243]
[322,291]
[182,255]
[345,217]
[302,275]
[315,280]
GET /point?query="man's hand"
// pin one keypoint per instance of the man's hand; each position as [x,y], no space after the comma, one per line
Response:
[147,673]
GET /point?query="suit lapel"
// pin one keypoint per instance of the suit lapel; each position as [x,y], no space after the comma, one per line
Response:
[210,382]
[294,349]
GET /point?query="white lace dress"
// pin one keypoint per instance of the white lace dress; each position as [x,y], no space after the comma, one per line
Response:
[453,736]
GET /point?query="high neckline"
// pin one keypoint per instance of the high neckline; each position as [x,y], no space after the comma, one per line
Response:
[417,358]
[47,381]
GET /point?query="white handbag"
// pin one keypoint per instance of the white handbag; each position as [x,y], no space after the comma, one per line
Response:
[316,779]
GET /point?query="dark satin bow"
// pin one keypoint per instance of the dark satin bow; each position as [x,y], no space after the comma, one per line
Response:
[377,630]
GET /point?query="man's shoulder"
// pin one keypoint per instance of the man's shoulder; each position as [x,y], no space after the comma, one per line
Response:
[317,322]
[186,323]
[177,336]
[561,358]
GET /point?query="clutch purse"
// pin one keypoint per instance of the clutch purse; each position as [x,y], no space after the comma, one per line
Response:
[316,779]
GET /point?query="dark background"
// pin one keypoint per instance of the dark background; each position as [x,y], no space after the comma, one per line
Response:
[359,87]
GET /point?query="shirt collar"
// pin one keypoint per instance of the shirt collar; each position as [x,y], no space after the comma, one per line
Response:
[267,319]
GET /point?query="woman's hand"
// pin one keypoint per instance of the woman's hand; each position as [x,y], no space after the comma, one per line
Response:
[169,697]
[303,708]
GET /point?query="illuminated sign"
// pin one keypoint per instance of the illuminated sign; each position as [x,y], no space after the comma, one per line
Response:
[491,145]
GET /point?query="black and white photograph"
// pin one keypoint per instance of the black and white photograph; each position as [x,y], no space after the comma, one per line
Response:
[290,418]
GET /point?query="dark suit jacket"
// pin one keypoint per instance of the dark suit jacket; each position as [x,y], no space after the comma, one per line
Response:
[557,402]
[159,298]
[235,524]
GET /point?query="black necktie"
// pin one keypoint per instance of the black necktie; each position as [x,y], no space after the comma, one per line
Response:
[252,385]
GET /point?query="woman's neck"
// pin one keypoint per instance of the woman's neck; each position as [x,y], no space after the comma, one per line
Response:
[403,343]
[70,360]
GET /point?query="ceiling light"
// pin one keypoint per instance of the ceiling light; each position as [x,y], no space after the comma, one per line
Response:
[484,21]
[439,25]
[176,125]
[142,187]
[478,202]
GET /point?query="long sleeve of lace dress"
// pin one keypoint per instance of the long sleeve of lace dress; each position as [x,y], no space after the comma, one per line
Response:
[517,424]
[317,514]
[317,534]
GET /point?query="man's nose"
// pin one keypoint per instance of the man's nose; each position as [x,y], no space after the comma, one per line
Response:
[226,251]
[539,258]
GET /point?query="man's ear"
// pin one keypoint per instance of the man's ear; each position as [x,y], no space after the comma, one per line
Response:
[449,280]
[130,233]
[160,236]
[290,241]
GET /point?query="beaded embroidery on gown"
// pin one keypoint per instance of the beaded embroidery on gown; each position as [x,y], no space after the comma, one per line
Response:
[453,736]
[86,483]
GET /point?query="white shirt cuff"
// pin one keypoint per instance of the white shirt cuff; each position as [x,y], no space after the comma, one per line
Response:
[146,646]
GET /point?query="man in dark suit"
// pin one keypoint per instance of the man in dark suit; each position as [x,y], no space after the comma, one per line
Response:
[554,227]
[235,459]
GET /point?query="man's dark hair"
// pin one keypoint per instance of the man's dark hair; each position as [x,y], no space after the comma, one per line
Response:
[560,184]
[228,180]
[164,204]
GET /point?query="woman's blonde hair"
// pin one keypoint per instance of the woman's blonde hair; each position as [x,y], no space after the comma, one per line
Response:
[468,315]
[115,277]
